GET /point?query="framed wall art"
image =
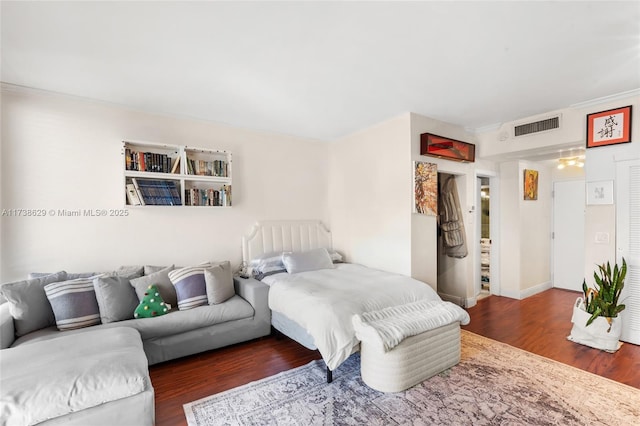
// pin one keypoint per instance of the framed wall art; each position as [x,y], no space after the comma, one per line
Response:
[600,192]
[449,149]
[425,188]
[530,184]
[609,127]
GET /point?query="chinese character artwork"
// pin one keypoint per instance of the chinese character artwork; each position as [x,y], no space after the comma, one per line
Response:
[609,127]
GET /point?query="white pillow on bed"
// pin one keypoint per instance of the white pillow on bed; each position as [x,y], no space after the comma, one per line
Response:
[267,264]
[311,260]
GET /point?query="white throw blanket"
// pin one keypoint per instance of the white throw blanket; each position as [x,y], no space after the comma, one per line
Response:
[390,326]
[322,302]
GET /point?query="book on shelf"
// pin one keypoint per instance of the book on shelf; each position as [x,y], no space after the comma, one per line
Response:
[140,161]
[157,192]
[218,168]
[208,197]
[138,192]
[176,166]
[132,195]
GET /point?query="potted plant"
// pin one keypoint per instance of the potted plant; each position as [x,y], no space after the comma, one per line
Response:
[595,317]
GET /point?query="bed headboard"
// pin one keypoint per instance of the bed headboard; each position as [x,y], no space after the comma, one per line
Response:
[284,235]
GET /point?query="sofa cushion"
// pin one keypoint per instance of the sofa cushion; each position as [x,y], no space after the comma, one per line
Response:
[28,301]
[71,373]
[74,303]
[161,280]
[70,275]
[191,289]
[219,283]
[151,304]
[177,322]
[116,298]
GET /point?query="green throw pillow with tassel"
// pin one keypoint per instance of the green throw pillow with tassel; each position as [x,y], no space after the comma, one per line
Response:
[151,304]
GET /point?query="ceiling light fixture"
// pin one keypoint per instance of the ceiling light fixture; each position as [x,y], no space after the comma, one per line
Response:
[570,161]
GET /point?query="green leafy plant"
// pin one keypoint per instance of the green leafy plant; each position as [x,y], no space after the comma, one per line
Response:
[602,301]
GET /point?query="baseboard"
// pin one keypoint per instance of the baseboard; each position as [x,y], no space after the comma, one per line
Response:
[471,302]
[535,289]
[453,299]
[528,292]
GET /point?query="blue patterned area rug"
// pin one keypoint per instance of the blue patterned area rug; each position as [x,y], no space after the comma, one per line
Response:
[494,384]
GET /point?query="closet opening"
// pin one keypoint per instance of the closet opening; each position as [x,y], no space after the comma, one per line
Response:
[484,224]
[453,246]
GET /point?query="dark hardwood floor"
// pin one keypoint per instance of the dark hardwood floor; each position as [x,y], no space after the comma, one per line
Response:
[538,324]
[541,324]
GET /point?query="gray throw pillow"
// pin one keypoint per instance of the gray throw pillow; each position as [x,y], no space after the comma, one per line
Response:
[311,260]
[116,298]
[70,275]
[219,283]
[28,303]
[162,282]
[150,269]
[130,272]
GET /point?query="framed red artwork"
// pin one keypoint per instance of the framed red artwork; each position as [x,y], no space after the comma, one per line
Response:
[609,127]
[449,149]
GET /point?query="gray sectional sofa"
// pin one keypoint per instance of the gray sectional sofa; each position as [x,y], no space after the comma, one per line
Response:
[242,317]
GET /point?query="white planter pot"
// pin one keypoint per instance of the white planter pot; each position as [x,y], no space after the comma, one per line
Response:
[599,334]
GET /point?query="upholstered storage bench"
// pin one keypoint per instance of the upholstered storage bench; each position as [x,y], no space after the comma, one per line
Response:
[97,378]
[412,361]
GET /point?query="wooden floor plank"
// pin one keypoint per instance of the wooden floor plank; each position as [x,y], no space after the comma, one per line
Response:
[538,324]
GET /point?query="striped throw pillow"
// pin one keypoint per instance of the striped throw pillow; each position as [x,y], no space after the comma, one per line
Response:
[74,303]
[191,288]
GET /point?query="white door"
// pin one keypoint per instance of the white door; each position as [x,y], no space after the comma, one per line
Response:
[628,244]
[568,234]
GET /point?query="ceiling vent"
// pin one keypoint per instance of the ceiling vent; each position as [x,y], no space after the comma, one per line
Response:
[547,124]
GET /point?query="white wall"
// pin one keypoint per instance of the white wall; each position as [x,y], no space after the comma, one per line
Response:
[599,165]
[61,152]
[371,201]
[535,230]
[501,141]
[370,190]
[525,230]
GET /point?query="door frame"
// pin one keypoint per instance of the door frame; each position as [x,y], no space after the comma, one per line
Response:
[494,232]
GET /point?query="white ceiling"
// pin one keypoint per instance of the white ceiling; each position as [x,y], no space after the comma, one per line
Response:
[326,69]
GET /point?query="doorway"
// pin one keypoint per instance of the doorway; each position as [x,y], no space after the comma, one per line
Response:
[568,234]
[485,236]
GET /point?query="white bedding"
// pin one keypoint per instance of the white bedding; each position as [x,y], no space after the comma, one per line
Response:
[324,301]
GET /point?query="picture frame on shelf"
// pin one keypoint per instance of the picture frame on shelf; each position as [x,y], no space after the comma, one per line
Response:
[609,127]
[447,148]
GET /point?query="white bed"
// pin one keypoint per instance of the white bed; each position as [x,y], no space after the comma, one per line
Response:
[315,308]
